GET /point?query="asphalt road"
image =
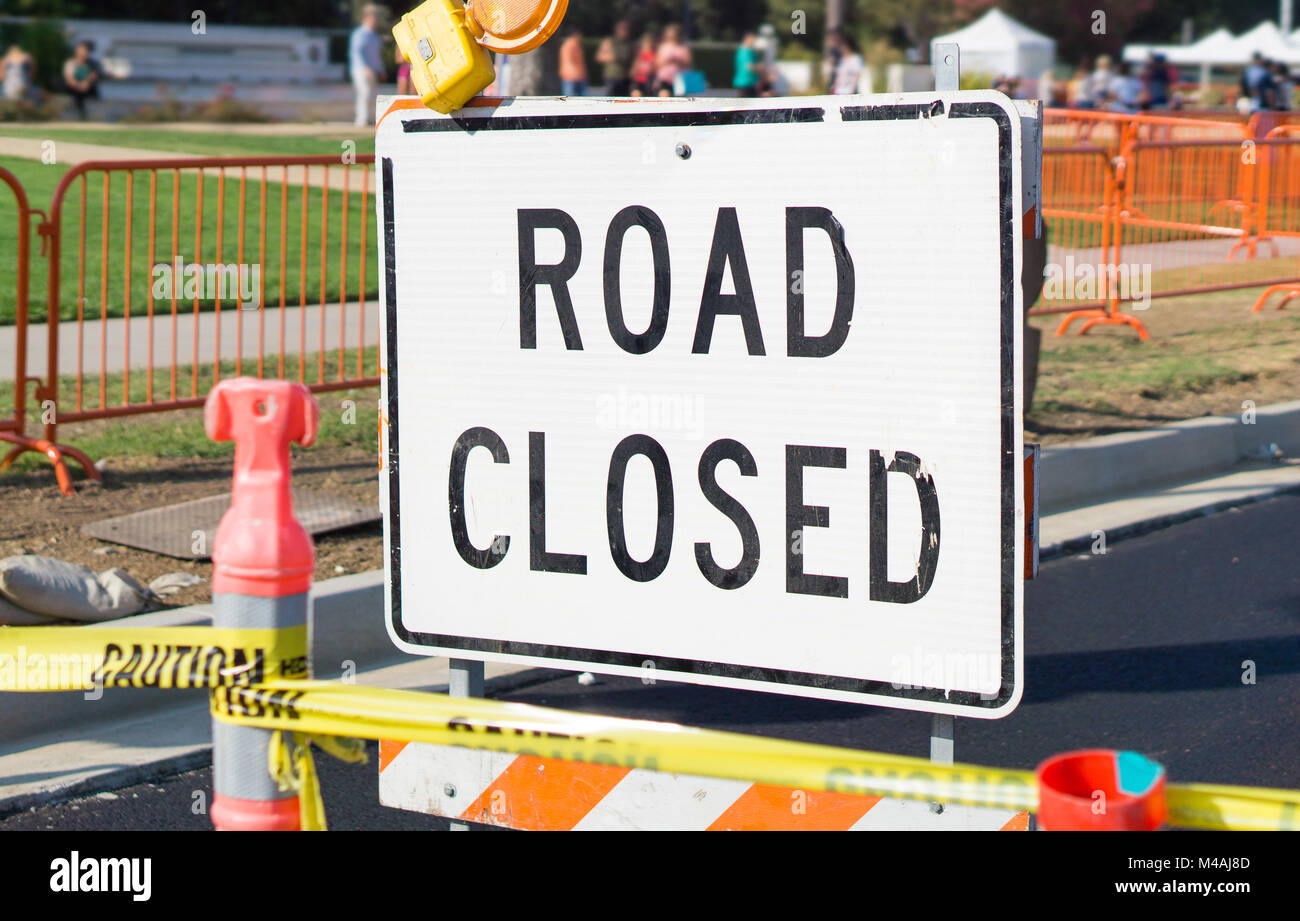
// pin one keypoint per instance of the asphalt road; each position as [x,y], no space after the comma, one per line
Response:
[1141,648]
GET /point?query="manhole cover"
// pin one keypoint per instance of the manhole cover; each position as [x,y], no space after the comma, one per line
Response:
[188,529]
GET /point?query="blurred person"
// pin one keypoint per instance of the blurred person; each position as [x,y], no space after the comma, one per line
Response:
[1047,87]
[848,73]
[1077,90]
[643,68]
[618,56]
[748,80]
[366,63]
[1159,77]
[18,74]
[404,85]
[1283,87]
[1008,86]
[501,85]
[573,66]
[832,52]
[81,76]
[1100,81]
[672,57]
[1127,93]
[1257,83]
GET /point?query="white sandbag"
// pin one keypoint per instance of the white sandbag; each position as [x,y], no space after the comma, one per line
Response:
[169,583]
[13,616]
[65,590]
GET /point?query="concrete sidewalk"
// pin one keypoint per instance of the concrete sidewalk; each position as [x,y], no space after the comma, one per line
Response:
[302,335]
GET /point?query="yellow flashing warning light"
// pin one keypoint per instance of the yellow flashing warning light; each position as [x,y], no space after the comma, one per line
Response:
[449,43]
[515,26]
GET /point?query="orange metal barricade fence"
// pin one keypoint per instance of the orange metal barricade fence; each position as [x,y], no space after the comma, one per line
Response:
[1072,127]
[1159,214]
[1211,216]
[14,429]
[1279,215]
[166,275]
[1078,204]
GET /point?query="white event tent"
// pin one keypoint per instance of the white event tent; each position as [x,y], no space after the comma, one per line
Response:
[998,45]
[1222,48]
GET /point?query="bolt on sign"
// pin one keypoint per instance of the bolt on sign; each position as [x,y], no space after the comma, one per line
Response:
[716,391]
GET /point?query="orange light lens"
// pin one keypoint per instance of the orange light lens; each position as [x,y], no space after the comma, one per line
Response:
[516,26]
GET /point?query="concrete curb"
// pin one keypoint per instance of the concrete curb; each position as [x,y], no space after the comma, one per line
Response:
[115,779]
[1083,543]
[1112,465]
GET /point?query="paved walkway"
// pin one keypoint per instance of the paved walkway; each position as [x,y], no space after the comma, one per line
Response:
[234,341]
[1176,254]
[116,333]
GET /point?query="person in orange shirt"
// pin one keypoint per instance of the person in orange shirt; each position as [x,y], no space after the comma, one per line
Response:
[573,66]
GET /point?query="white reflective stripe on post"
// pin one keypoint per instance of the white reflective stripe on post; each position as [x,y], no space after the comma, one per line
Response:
[239,754]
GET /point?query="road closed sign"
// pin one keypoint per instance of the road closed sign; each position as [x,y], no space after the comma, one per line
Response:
[713,391]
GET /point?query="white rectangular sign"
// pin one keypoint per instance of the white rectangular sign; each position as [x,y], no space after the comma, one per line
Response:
[716,391]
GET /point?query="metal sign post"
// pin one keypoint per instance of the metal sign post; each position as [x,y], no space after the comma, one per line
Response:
[466,679]
[947,78]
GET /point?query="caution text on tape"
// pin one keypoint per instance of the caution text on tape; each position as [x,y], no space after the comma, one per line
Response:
[85,658]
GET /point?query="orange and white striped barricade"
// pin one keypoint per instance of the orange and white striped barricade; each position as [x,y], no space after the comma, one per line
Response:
[531,793]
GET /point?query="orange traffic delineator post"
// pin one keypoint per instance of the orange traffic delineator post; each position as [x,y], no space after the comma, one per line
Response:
[263,561]
[1101,790]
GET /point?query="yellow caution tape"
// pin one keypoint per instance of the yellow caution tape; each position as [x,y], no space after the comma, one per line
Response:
[1199,805]
[251,674]
[317,707]
[291,765]
[325,708]
[85,658]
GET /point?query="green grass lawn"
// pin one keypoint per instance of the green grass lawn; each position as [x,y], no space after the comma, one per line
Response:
[1208,354]
[208,143]
[103,281]
[348,417]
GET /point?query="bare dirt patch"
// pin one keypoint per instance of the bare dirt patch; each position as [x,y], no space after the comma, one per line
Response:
[1208,355]
[36,518]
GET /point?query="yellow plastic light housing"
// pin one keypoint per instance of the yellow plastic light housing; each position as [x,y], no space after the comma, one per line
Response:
[449,67]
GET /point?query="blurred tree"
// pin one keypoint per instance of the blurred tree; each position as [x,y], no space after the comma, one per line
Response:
[44,41]
[536,73]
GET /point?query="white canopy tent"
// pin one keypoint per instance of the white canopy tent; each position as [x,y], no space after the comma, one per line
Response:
[1221,47]
[998,45]
[1269,41]
[1209,50]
